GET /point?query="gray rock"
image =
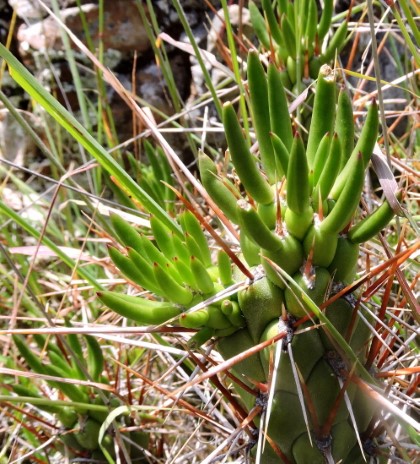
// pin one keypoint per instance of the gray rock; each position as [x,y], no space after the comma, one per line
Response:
[15,143]
[31,10]
[123,29]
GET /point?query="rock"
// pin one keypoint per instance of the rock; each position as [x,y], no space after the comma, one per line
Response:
[151,88]
[238,17]
[395,98]
[31,10]
[123,28]
[15,143]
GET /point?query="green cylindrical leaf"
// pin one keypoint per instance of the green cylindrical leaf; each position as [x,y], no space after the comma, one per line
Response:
[217,320]
[95,358]
[225,268]
[185,273]
[289,36]
[194,319]
[372,224]
[141,310]
[281,155]
[232,311]
[162,237]
[126,233]
[219,192]
[348,200]
[297,177]
[364,146]
[201,276]
[153,255]
[258,94]
[272,22]
[325,21]
[259,25]
[172,290]
[336,43]
[321,157]
[144,268]
[330,171]
[250,250]
[245,164]
[130,269]
[280,121]
[255,228]
[191,225]
[344,126]
[323,115]
[311,23]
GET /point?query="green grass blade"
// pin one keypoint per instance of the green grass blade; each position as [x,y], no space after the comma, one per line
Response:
[161,56]
[236,70]
[53,403]
[410,20]
[28,82]
[81,97]
[407,38]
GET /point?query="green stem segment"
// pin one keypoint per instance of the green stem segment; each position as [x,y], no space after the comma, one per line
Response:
[146,312]
[219,192]
[344,125]
[323,115]
[347,202]
[372,224]
[297,178]
[258,94]
[245,164]
[255,227]
[279,113]
[364,146]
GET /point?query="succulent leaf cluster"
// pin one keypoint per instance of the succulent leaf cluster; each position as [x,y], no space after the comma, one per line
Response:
[298,33]
[293,206]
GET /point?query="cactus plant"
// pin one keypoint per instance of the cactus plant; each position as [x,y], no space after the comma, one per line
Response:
[294,212]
